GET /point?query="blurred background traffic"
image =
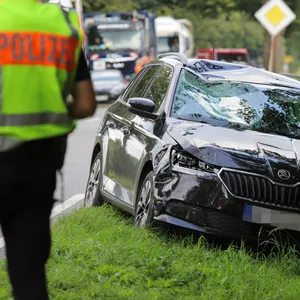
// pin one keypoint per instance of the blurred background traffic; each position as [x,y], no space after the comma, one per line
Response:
[125,35]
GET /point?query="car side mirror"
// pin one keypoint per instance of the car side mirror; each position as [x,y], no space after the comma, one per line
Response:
[143,104]
[143,107]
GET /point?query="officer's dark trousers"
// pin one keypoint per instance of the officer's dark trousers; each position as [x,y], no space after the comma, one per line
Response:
[27,184]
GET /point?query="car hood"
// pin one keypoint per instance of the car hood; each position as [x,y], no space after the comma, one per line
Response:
[251,151]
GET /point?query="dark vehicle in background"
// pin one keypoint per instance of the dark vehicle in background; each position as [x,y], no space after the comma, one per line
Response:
[204,145]
[232,55]
[108,84]
[117,40]
[294,76]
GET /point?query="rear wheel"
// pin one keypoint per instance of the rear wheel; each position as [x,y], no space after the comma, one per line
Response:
[144,208]
[92,194]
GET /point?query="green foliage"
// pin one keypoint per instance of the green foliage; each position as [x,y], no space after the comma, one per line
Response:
[108,5]
[233,31]
[293,41]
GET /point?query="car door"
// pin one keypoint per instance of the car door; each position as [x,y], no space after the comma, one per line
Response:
[119,174]
[140,139]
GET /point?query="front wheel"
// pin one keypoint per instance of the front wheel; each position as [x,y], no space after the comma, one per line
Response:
[144,208]
[92,194]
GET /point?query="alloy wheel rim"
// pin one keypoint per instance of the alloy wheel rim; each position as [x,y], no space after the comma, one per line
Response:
[93,184]
[143,206]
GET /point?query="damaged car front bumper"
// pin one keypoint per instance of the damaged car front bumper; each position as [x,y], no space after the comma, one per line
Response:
[190,194]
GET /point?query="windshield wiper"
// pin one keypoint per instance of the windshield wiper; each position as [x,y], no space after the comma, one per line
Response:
[125,49]
[293,126]
[191,120]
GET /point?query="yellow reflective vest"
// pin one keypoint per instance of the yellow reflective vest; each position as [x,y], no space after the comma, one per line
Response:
[39,51]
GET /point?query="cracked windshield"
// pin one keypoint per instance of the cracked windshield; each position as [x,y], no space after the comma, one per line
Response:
[149,149]
[237,105]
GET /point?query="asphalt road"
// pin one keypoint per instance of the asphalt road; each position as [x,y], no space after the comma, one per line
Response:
[80,145]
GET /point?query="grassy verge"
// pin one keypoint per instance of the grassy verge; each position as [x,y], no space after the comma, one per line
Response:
[97,254]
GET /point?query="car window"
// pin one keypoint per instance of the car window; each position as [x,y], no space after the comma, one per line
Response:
[238,105]
[138,88]
[158,89]
[131,84]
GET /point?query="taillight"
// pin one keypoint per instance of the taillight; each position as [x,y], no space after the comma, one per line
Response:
[94,57]
[134,55]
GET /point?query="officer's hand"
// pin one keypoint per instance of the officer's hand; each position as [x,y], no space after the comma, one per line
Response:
[84,101]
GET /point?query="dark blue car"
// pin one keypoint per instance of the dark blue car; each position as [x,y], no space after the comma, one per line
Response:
[205,145]
[108,84]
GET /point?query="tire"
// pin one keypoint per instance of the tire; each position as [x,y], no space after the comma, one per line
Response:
[92,193]
[144,207]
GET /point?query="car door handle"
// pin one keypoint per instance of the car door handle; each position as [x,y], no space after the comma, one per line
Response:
[125,130]
[110,124]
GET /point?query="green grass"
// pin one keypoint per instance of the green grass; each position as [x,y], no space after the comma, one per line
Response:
[98,254]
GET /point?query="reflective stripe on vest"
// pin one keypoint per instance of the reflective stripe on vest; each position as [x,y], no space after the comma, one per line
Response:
[34,119]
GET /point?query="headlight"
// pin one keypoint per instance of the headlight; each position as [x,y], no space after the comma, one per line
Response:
[183,159]
[159,156]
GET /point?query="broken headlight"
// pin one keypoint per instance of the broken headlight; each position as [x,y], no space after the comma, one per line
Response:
[159,156]
[183,159]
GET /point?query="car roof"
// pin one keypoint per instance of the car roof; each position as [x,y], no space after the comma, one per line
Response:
[212,70]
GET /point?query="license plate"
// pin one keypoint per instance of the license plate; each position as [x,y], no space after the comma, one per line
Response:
[272,217]
[102,97]
[99,65]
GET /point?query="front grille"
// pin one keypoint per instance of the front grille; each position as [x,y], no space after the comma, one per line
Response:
[226,223]
[260,189]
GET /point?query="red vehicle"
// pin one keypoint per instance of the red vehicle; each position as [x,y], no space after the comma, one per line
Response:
[232,55]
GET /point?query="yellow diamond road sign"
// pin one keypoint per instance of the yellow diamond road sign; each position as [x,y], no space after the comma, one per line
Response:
[275,16]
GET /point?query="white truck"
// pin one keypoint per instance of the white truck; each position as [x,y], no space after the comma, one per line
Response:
[75,4]
[174,35]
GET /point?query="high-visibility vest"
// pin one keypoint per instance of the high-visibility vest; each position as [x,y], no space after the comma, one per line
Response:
[141,62]
[39,51]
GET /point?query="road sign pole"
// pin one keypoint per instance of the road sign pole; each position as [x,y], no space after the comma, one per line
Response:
[275,16]
[272,52]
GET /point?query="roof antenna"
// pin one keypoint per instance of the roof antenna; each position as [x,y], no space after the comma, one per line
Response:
[213,52]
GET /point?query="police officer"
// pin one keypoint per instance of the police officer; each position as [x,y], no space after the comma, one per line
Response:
[41,63]
[93,35]
[147,58]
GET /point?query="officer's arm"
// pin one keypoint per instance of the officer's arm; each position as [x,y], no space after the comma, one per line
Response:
[84,101]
